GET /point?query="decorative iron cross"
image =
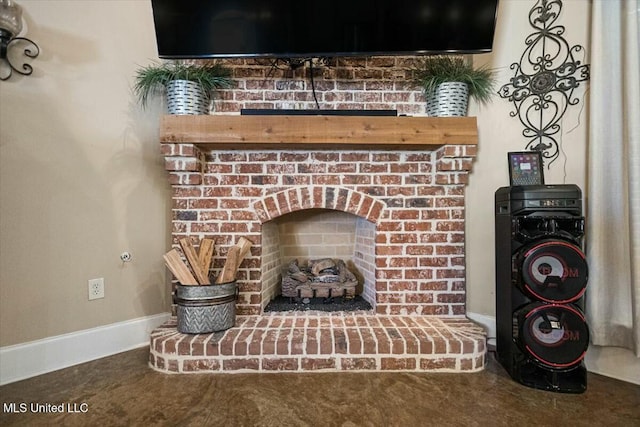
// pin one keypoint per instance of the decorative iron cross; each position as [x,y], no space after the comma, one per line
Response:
[544,80]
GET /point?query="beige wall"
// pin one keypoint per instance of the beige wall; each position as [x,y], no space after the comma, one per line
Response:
[500,133]
[81,176]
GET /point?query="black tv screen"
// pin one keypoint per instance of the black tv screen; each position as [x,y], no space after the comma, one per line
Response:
[308,28]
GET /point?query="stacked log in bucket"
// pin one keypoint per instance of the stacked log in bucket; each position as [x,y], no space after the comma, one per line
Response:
[203,306]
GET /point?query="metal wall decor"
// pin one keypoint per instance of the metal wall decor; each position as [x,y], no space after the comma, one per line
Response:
[544,80]
[28,49]
[10,43]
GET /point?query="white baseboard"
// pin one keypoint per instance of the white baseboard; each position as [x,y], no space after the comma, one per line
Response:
[487,322]
[21,361]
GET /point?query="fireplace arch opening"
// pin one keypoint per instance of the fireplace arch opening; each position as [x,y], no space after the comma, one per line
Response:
[301,239]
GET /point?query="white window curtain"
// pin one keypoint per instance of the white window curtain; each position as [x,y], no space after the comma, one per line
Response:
[613,175]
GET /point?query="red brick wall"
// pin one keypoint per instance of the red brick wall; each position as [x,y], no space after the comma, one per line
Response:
[343,83]
[416,199]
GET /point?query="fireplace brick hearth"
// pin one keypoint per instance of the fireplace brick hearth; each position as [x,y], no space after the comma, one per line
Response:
[324,342]
[231,178]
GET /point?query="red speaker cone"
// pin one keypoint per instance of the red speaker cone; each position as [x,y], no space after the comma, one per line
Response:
[553,271]
[557,336]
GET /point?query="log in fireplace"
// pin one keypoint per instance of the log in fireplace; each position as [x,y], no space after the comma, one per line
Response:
[319,278]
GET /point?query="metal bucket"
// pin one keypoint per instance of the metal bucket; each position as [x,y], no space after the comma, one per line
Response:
[449,99]
[206,308]
[186,97]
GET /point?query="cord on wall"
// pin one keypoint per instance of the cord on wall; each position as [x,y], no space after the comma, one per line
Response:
[294,64]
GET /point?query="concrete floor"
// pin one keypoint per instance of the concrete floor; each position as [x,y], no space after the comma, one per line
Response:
[123,390]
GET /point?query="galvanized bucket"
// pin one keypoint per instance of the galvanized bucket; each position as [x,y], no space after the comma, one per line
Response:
[187,97]
[206,308]
[449,99]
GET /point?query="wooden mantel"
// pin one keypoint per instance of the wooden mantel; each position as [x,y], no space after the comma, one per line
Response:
[302,132]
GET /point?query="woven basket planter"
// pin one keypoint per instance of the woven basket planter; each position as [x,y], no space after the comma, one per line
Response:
[187,97]
[450,99]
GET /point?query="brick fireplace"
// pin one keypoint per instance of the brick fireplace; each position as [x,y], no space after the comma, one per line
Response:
[400,183]
[411,193]
[414,201]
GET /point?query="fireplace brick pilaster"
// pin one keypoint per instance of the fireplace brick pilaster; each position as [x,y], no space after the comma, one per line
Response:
[184,163]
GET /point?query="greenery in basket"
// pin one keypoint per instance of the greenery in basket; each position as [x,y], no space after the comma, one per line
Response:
[155,77]
[434,70]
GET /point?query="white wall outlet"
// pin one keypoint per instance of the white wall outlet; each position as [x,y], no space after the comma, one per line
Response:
[96,288]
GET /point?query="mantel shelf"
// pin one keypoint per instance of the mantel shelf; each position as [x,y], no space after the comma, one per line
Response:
[302,132]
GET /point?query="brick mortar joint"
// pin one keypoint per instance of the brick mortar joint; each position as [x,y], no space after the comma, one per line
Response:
[457,151]
[198,157]
[335,356]
[454,164]
[178,362]
[477,351]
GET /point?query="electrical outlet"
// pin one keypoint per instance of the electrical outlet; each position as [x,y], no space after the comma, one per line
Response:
[96,288]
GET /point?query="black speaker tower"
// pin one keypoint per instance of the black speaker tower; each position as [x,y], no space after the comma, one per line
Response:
[541,277]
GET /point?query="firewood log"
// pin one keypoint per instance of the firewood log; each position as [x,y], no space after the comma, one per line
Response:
[245,246]
[228,273]
[235,255]
[192,257]
[293,267]
[321,264]
[205,254]
[174,262]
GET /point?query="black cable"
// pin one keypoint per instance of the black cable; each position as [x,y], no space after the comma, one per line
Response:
[294,64]
[313,85]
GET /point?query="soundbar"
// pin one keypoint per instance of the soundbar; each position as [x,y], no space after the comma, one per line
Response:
[305,112]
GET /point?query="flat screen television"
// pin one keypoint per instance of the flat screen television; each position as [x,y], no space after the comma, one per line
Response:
[326,28]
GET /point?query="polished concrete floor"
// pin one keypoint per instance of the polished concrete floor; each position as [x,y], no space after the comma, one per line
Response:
[123,390]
